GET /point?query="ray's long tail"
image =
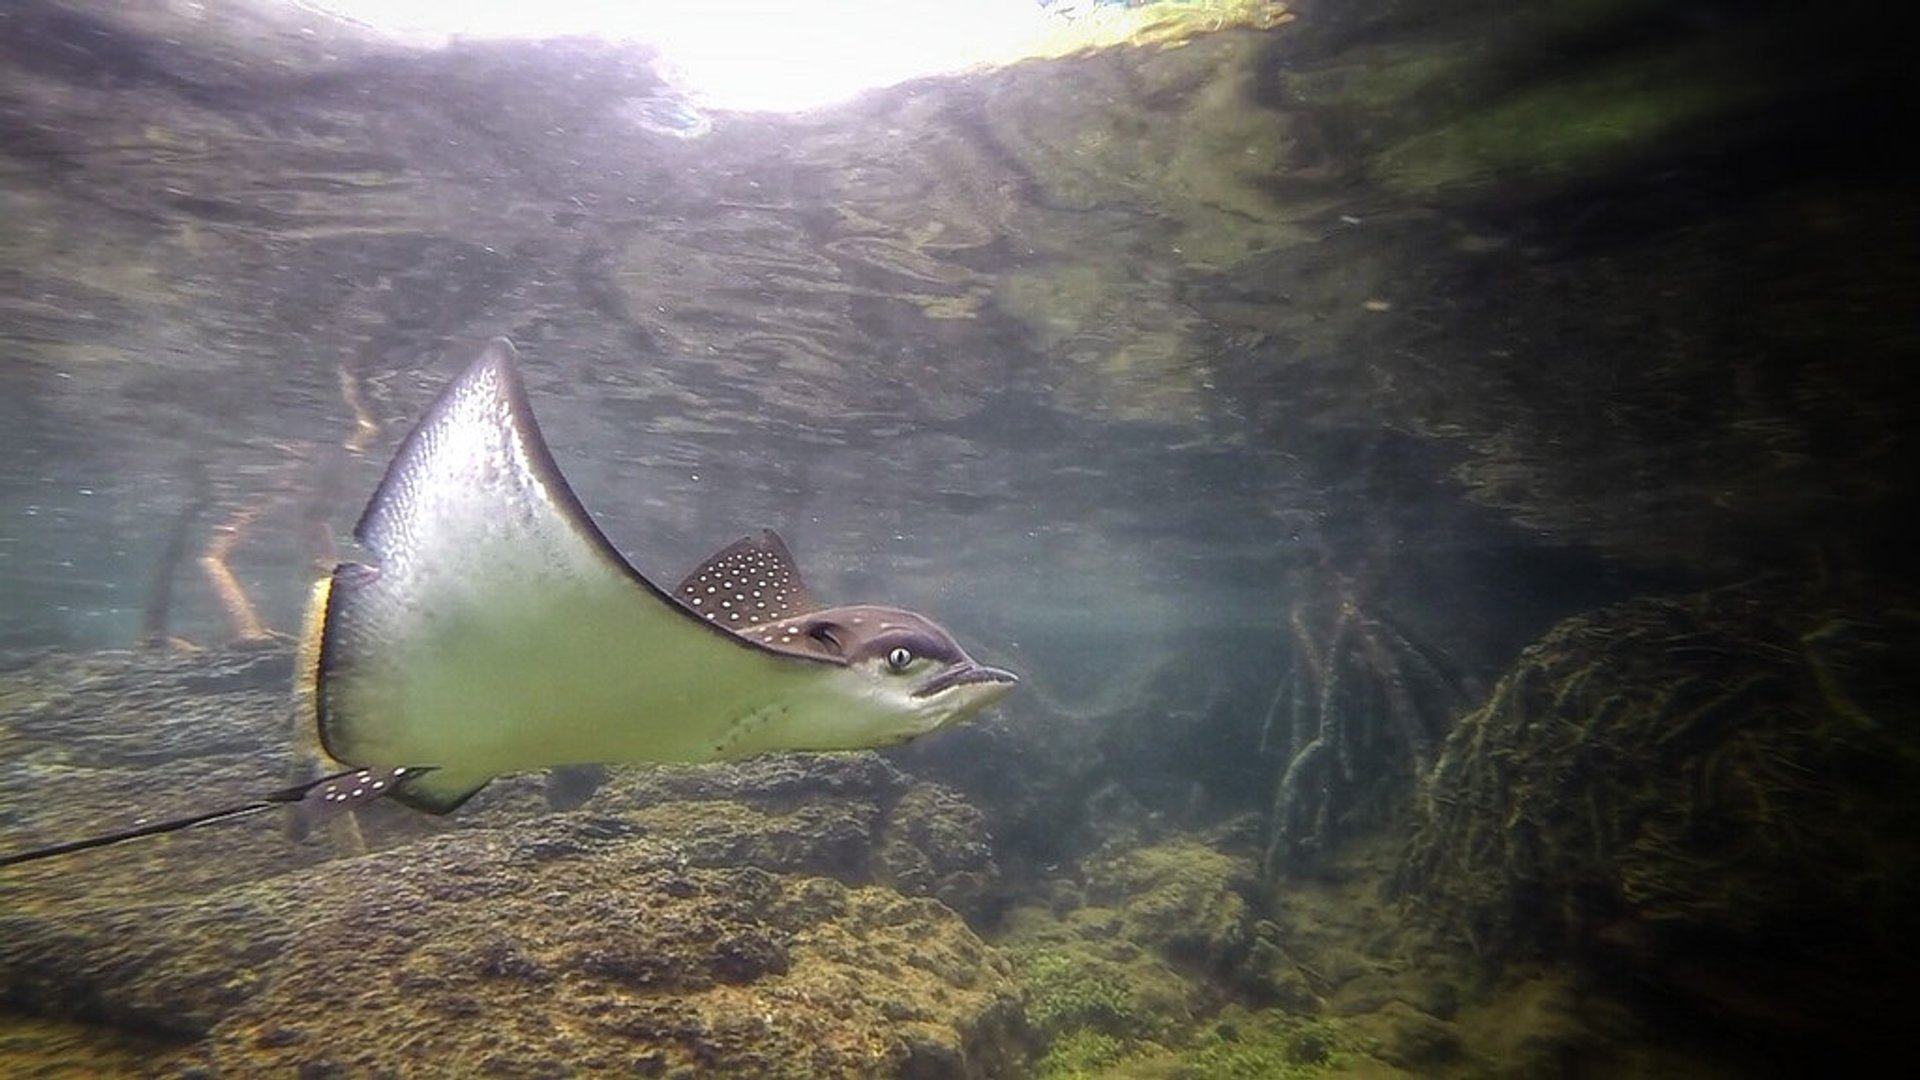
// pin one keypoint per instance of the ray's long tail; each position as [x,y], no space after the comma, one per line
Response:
[318,789]
[327,795]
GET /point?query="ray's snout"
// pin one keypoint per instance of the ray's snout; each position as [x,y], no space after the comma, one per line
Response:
[989,684]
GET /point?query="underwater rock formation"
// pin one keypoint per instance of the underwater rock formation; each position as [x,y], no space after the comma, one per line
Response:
[1157,961]
[572,946]
[853,817]
[1708,797]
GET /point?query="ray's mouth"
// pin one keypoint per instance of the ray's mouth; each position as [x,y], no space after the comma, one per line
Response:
[968,673]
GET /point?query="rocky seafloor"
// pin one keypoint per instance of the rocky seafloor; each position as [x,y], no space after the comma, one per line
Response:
[787,916]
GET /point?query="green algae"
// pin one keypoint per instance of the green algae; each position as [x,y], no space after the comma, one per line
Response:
[1439,107]
[1561,128]
[1136,983]
[1080,1054]
[1265,1045]
[1241,1044]
[1183,899]
[1069,991]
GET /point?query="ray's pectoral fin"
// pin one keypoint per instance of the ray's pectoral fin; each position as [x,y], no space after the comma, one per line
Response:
[446,649]
[569,786]
[440,791]
[352,789]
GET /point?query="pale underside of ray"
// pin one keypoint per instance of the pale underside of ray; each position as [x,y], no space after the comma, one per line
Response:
[497,630]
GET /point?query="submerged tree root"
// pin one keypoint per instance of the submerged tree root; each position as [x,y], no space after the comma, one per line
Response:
[1354,720]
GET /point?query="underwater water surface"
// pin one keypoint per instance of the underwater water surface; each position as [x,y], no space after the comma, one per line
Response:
[1435,473]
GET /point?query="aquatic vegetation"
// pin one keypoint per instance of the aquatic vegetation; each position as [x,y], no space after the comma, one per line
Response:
[1159,976]
[37,1046]
[1150,921]
[1095,992]
[1440,112]
[935,843]
[1269,1045]
[1181,898]
[1071,990]
[1240,1044]
[1078,1055]
[1706,790]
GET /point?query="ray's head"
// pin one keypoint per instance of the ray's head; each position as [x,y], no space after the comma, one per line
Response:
[912,673]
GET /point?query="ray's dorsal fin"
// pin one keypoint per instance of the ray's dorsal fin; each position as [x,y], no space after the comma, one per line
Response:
[750,581]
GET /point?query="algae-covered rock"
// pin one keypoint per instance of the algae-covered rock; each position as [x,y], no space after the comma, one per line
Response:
[1080,1053]
[935,843]
[57,1049]
[558,947]
[1182,898]
[1244,1045]
[1082,974]
[1709,797]
[854,817]
[1413,1039]
[1165,972]
[1136,951]
[1239,1044]
[1071,991]
[1538,1023]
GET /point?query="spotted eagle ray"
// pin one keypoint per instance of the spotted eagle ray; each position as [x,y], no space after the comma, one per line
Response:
[497,630]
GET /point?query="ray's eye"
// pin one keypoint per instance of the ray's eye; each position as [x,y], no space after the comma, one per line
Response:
[899,658]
